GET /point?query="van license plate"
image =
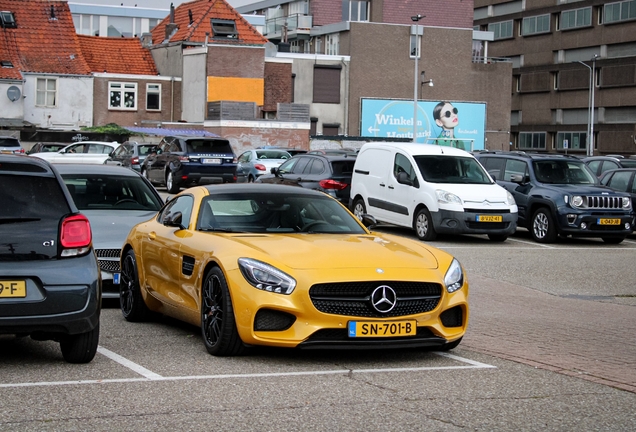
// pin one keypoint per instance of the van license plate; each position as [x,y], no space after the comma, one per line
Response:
[608,221]
[488,218]
[12,288]
[212,161]
[382,329]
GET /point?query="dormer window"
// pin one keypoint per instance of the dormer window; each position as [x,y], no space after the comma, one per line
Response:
[7,20]
[224,29]
[6,64]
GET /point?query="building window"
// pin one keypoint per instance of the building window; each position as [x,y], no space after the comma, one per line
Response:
[535,25]
[46,92]
[575,18]
[122,96]
[575,140]
[415,46]
[531,141]
[619,11]
[318,45]
[327,84]
[153,97]
[501,30]
[332,44]
[355,10]
[224,29]
[330,129]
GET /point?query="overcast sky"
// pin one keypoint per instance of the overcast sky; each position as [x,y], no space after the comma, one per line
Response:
[153,4]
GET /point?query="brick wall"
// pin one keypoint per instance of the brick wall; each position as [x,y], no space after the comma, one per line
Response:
[439,13]
[278,85]
[245,138]
[240,62]
[326,11]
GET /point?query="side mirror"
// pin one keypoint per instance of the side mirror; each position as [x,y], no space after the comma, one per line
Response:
[274,171]
[174,220]
[516,178]
[403,178]
[368,220]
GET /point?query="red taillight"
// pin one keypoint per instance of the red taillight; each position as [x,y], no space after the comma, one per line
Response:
[184,159]
[76,232]
[332,184]
[134,161]
[20,151]
[260,167]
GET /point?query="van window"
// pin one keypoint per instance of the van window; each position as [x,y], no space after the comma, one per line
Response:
[451,169]
[494,166]
[402,164]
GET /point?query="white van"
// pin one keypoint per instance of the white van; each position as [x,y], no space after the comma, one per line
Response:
[432,189]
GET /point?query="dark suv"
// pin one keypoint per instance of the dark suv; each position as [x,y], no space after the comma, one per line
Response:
[328,174]
[50,285]
[559,195]
[183,160]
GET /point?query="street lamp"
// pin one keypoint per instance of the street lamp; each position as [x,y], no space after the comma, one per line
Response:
[590,107]
[422,82]
[416,18]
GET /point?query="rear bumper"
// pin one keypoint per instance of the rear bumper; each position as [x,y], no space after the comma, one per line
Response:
[200,173]
[63,297]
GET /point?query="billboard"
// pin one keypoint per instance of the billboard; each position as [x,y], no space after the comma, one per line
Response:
[457,124]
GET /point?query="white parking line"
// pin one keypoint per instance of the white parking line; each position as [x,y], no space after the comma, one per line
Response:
[150,376]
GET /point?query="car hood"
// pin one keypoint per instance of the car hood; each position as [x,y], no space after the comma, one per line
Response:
[476,193]
[110,228]
[330,251]
[579,189]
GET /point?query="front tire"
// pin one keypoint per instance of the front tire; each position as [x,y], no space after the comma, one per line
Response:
[359,208]
[80,348]
[423,225]
[218,326]
[542,227]
[131,302]
[171,185]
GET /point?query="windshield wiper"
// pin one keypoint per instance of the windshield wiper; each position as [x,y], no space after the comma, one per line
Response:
[226,230]
[18,220]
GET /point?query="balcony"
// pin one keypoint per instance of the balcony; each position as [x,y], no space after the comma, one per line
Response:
[297,26]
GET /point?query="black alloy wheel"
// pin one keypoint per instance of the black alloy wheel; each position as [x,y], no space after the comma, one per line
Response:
[131,302]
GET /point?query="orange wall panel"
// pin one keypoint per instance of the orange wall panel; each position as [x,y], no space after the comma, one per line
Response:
[236,89]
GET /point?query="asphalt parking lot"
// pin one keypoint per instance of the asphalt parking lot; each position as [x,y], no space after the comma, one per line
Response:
[550,346]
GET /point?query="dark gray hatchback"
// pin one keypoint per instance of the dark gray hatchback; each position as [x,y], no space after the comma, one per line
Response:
[50,285]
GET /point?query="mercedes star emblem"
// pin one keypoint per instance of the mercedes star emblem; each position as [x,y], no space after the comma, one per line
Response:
[383,298]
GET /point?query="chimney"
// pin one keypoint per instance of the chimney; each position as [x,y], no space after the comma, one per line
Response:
[190,16]
[171,13]
[146,40]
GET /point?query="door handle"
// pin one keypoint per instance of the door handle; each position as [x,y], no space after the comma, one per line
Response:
[152,235]
[382,184]
[391,187]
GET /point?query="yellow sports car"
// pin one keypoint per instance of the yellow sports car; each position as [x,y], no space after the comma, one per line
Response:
[259,264]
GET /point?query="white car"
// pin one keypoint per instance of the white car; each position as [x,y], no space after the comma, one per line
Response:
[86,152]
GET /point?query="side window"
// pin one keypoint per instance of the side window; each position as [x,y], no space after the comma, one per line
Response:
[633,187]
[245,157]
[620,180]
[299,167]
[494,166]
[174,147]
[317,166]
[402,164]
[181,204]
[514,167]
[288,166]
[608,165]
[594,166]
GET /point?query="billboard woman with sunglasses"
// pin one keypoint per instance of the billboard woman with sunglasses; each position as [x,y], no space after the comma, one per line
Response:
[445,116]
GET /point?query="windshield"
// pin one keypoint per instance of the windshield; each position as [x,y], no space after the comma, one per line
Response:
[256,212]
[452,169]
[563,172]
[94,192]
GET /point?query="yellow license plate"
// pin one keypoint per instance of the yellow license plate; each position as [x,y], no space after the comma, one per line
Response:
[382,329]
[608,221]
[12,288]
[489,218]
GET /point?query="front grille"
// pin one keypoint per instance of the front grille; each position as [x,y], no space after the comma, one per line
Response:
[604,202]
[108,253]
[109,266]
[486,211]
[273,320]
[488,225]
[354,298]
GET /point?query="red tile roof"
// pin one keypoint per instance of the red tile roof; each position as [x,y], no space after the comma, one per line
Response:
[44,40]
[117,55]
[202,12]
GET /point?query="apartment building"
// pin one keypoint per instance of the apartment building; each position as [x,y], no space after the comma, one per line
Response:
[571,59]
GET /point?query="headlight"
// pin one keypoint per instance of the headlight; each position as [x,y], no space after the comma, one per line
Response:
[627,202]
[454,278]
[577,201]
[447,197]
[266,277]
[510,200]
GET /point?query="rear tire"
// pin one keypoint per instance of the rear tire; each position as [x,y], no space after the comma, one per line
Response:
[423,225]
[80,348]
[171,184]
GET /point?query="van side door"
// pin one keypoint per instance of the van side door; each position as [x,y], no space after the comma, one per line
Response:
[400,194]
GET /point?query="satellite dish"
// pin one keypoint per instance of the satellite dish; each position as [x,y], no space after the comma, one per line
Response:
[14,93]
[270,50]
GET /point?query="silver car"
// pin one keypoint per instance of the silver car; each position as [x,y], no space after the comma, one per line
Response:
[256,162]
[114,199]
[10,145]
[85,152]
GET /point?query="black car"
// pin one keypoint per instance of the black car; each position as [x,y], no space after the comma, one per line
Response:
[131,154]
[600,164]
[185,160]
[50,284]
[558,195]
[42,147]
[623,180]
[329,174]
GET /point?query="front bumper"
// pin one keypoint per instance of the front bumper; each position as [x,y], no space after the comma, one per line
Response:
[62,297]
[465,222]
[579,223]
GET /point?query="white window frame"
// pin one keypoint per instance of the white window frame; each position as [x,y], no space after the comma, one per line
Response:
[354,10]
[153,88]
[496,29]
[415,40]
[45,90]
[332,44]
[535,20]
[626,11]
[125,102]
[578,14]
